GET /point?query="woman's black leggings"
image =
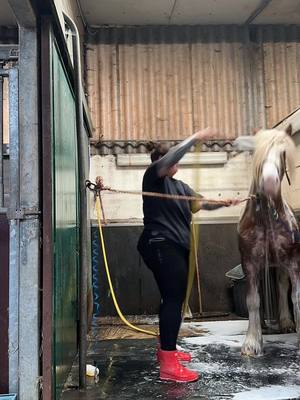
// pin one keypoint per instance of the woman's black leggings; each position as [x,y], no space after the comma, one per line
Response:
[169,264]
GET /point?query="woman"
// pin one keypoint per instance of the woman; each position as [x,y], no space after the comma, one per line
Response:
[164,245]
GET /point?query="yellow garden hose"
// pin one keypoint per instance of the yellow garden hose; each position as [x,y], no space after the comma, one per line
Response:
[193,259]
[120,314]
[191,273]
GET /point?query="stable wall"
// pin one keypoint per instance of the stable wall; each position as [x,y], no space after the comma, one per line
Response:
[218,246]
[213,181]
[292,193]
[217,250]
[134,284]
[162,83]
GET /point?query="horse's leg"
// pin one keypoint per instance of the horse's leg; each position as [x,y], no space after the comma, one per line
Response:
[252,345]
[261,309]
[286,323]
[294,272]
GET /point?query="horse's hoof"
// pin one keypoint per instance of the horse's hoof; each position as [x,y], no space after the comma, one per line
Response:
[287,326]
[251,353]
[253,349]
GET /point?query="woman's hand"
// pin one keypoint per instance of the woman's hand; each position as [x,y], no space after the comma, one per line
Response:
[211,205]
[206,134]
[231,202]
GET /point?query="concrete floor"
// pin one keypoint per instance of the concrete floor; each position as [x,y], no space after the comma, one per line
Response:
[128,369]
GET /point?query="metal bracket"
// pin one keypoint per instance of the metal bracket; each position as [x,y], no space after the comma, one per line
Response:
[22,213]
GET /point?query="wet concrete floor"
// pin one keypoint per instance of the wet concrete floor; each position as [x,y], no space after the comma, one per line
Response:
[128,370]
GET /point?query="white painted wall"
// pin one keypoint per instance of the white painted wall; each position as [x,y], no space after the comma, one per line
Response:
[292,193]
[216,182]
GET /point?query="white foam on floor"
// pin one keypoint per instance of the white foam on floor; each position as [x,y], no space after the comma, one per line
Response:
[225,328]
[232,334]
[221,368]
[274,392]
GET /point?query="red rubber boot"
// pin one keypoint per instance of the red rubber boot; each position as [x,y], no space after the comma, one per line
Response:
[172,370]
[181,355]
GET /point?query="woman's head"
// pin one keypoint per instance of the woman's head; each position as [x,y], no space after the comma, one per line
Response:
[157,150]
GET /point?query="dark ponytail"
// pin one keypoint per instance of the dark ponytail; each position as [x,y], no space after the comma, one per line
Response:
[157,150]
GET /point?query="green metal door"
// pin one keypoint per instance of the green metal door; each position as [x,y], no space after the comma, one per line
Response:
[65,222]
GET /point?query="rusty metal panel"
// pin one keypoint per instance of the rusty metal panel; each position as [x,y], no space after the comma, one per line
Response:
[219,76]
[162,83]
[281,75]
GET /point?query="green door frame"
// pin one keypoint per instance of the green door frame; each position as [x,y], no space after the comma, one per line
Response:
[49,46]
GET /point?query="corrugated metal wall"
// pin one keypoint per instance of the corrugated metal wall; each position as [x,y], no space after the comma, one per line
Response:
[219,71]
[166,82]
[280,68]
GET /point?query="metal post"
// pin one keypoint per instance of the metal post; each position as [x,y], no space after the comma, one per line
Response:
[29,308]
[1,145]
[24,263]
[14,238]
[24,257]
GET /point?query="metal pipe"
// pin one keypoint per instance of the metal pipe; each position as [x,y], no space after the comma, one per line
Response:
[1,144]
[263,4]
[83,206]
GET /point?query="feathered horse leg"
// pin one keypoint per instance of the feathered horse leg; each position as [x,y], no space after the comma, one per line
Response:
[294,272]
[252,345]
[286,323]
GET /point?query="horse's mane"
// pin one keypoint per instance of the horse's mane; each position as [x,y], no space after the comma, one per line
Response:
[267,139]
[264,141]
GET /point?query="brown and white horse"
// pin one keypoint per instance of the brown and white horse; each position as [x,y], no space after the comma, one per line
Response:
[269,235]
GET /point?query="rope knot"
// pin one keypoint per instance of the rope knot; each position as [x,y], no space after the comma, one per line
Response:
[99,183]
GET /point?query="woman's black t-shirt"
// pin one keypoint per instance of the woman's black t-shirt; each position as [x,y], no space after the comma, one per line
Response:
[169,218]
